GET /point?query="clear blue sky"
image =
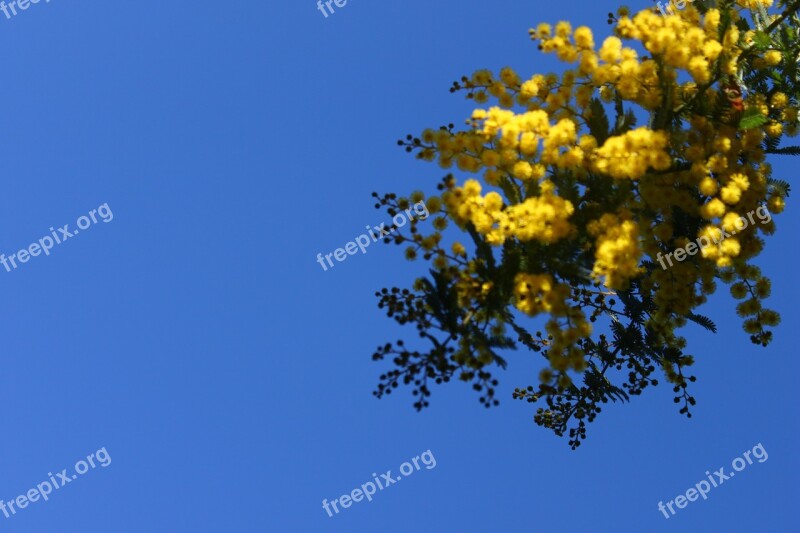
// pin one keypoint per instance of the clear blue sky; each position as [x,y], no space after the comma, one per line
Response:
[228,377]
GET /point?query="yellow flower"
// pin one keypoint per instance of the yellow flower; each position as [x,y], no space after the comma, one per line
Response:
[713,209]
[490,158]
[776,204]
[584,38]
[774,129]
[708,186]
[773,57]
[611,50]
[731,194]
[522,170]
[779,100]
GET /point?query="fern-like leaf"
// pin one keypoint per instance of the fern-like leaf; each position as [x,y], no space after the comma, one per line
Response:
[779,186]
[787,150]
[703,321]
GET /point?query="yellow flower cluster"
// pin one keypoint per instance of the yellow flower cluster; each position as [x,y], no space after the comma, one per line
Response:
[612,64]
[518,139]
[544,218]
[755,4]
[617,251]
[680,41]
[539,293]
[631,155]
[615,198]
[721,250]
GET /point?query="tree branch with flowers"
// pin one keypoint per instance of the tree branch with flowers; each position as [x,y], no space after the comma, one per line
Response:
[576,183]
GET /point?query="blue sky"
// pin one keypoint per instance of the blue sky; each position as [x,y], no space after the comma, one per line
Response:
[228,377]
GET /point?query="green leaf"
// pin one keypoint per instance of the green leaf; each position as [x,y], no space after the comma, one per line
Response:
[598,124]
[599,383]
[482,249]
[752,119]
[771,144]
[743,25]
[761,40]
[630,118]
[510,190]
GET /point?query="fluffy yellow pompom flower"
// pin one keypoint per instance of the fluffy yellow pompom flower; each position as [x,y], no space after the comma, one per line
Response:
[713,209]
[773,57]
[779,100]
[774,129]
[708,186]
[522,170]
[776,204]
[611,50]
[584,38]
[731,194]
